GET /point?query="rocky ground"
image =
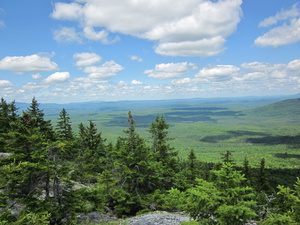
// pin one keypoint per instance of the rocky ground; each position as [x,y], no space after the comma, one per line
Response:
[157,218]
[160,218]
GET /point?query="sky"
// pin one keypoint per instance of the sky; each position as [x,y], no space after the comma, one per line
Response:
[62,51]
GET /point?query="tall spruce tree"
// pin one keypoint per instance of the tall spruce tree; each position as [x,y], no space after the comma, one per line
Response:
[63,126]
[8,115]
[159,130]
[160,137]
[136,172]
[32,174]
[38,120]
[92,152]
[262,183]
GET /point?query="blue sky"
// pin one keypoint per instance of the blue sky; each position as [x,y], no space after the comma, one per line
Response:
[88,50]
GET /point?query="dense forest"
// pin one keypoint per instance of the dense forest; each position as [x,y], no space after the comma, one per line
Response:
[52,174]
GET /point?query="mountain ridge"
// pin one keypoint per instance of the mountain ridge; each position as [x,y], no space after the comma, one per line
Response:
[285,108]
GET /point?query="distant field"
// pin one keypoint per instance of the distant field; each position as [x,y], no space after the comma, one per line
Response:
[248,128]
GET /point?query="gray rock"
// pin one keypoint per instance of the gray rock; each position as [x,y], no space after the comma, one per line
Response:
[161,218]
[94,217]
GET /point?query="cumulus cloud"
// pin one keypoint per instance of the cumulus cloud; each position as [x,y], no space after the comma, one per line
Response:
[104,71]
[277,74]
[31,86]
[264,67]
[67,11]
[205,47]
[58,77]
[169,70]
[294,65]
[176,25]
[283,15]
[286,33]
[66,35]
[218,73]
[282,35]
[31,63]
[181,81]
[36,76]
[136,58]
[86,59]
[102,35]
[136,82]
[5,83]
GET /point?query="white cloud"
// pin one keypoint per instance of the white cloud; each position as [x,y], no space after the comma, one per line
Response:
[87,81]
[31,63]
[264,67]
[176,25]
[104,71]
[181,81]
[5,83]
[122,83]
[267,72]
[282,35]
[218,73]
[86,59]
[102,35]
[286,33]
[251,76]
[204,47]
[58,77]
[66,35]
[36,76]
[136,82]
[67,11]
[136,58]
[169,70]
[283,15]
[31,86]
[294,65]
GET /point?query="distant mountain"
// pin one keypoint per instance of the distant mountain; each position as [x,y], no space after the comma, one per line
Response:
[286,108]
[53,109]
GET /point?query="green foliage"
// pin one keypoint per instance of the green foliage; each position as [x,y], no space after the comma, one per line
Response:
[28,218]
[278,219]
[262,183]
[54,174]
[190,223]
[63,127]
[160,135]
[290,200]
[91,153]
[225,200]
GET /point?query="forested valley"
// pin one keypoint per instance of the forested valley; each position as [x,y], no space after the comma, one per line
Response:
[52,175]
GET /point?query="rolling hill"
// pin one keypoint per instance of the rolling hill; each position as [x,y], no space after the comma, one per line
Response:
[289,108]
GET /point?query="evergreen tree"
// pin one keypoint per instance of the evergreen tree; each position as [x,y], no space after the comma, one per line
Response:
[159,131]
[8,115]
[192,167]
[227,157]
[38,120]
[63,127]
[31,175]
[262,183]
[163,151]
[90,139]
[135,171]
[224,201]
[92,152]
[247,171]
